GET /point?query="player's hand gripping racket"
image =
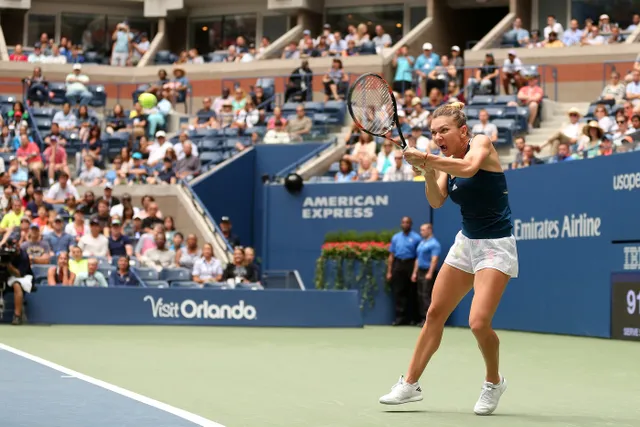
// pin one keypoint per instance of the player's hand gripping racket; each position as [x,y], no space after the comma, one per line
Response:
[373,108]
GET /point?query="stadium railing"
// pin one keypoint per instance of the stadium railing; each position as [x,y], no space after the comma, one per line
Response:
[295,165]
[282,279]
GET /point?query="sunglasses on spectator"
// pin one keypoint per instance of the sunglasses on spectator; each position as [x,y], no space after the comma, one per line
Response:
[620,122]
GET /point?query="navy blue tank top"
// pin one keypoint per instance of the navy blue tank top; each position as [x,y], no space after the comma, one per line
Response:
[484,204]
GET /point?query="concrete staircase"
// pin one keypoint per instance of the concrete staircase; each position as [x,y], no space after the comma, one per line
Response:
[554,115]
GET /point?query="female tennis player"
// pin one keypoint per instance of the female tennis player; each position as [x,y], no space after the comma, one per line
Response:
[483,256]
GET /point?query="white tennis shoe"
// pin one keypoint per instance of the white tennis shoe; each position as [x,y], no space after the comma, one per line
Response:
[490,397]
[402,392]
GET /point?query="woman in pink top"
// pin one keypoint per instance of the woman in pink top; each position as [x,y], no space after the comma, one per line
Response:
[277,115]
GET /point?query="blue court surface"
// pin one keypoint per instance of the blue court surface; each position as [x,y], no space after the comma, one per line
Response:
[38,393]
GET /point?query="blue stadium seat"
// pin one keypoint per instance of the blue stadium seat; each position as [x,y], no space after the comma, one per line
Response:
[99,96]
[47,112]
[217,286]
[156,284]
[40,270]
[260,130]
[218,56]
[177,274]
[336,111]
[92,58]
[313,107]
[208,145]
[147,273]
[230,131]
[472,113]
[320,119]
[505,99]
[506,131]
[7,99]
[184,284]
[102,261]
[107,270]
[250,286]
[334,167]
[163,57]
[211,157]
[57,93]
[43,123]
[472,123]
[495,112]
[289,108]
[481,100]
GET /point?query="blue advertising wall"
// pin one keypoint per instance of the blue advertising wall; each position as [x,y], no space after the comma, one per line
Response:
[235,189]
[296,224]
[207,307]
[575,224]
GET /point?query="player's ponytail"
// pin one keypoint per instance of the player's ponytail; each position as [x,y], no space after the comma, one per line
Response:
[452,109]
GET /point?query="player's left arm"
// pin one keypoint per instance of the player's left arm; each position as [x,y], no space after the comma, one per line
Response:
[466,167]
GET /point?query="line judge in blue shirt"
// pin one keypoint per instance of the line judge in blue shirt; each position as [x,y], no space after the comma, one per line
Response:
[402,257]
[425,268]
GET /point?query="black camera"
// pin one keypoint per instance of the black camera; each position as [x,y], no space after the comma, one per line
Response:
[8,253]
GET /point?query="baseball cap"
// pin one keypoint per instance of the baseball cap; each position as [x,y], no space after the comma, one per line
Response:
[225,219]
[415,101]
[455,48]
[326,26]
[34,225]
[427,46]
[574,110]
[77,66]
[58,218]
[416,128]
[306,32]
[116,222]
[161,134]
[94,221]
[137,156]
[25,218]
[109,186]
[512,52]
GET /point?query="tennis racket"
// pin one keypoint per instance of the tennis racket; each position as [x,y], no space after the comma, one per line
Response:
[373,107]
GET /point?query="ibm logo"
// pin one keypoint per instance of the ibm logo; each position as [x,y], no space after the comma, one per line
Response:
[632,258]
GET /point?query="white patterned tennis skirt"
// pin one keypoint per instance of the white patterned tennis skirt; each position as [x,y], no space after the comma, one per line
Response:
[472,255]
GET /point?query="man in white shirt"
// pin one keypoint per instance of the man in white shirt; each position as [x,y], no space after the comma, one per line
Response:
[484,127]
[569,133]
[77,86]
[178,147]
[553,25]
[633,88]
[139,49]
[35,56]
[399,171]
[65,119]
[95,243]
[419,116]
[511,70]
[277,135]
[418,140]
[593,38]
[58,193]
[119,209]
[158,149]
[382,39]
[54,58]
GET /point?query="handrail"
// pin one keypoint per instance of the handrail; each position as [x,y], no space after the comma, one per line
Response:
[293,166]
[634,36]
[412,36]
[496,32]
[606,64]
[155,44]
[280,43]
[4,52]
[200,206]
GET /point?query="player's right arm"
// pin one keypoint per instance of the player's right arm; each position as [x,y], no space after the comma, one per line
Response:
[436,187]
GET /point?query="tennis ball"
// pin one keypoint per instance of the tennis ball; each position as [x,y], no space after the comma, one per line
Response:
[147,100]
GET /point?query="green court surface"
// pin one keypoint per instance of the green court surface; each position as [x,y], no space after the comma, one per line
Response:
[246,377]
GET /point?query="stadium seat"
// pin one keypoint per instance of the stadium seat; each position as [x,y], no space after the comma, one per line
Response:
[92,58]
[250,286]
[336,111]
[175,274]
[208,145]
[217,286]
[472,113]
[506,131]
[156,284]
[289,108]
[320,119]
[368,48]
[107,270]
[481,100]
[230,131]
[163,57]
[43,123]
[57,93]
[313,107]
[7,99]
[40,270]
[505,99]
[211,157]
[495,112]
[99,96]
[259,130]
[46,112]
[184,284]
[218,56]
[147,273]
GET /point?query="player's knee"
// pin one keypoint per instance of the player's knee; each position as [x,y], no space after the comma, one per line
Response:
[436,315]
[479,324]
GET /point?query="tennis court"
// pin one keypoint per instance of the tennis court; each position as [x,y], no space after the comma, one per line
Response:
[238,377]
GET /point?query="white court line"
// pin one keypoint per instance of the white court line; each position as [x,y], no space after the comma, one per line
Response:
[196,419]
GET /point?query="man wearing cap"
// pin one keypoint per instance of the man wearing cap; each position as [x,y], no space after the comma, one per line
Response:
[426,62]
[39,251]
[36,56]
[108,196]
[77,86]
[158,149]
[38,200]
[225,227]
[121,49]
[568,134]
[139,171]
[95,243]
[119,244]
[419,116]
[59,241]
[511,70]
[458,62]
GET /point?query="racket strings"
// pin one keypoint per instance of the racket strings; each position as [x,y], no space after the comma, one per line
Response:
[372,105]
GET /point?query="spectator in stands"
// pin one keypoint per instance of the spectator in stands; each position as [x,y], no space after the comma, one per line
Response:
[345,172]
[19,174]
[404,65]
[250,259]
[365,147]
[117,121]
[121,49]
[615,36]
[126,203]
[55,132]
[553,41]
[485,78]
[382,39]
[238,272]
[159,257]
[102,216]
[90,175]
[606,148]
[454,93]
[138,171]
[291,51]
[109,198]
[178,147]
[531,96]
[335,81]
[484,127]
[277,116]
[553,25]
[42,218]
[36,56]
[77,86]
[564,154]
[206,117]
[426,62]
[633,88]
[177,242]
[194,57]
[366,171]
[156,87]
[29,156]
[77,264]
[139,48]
[247,117]
[299,126]
[55,57]
[528,158]
[17,115]
[441,74]
[604,121]
[336,47]
[615,91]
[187,256]
[573,36]
[384,161]
[299,83]
[310,51]
[39,251]
[589,142]
[593,37]
[226,228]
[119,244]
[207,269]
[635,22]
[178,86]
[457,61]
[95,242]
[65,119]
[61,274]
[92,277]
[535,41]
[362,34]
[6,142]
[569,133]
[37,202]
[189,166]
[516,36]
[146,239]
[78,227]
[622,131]
[166,175]
[123,276]
[605,24]
[435,98]
[512,72]
[351,50]
[59,241]
[399,171]
[88,204]
[12,218]
[519,144]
